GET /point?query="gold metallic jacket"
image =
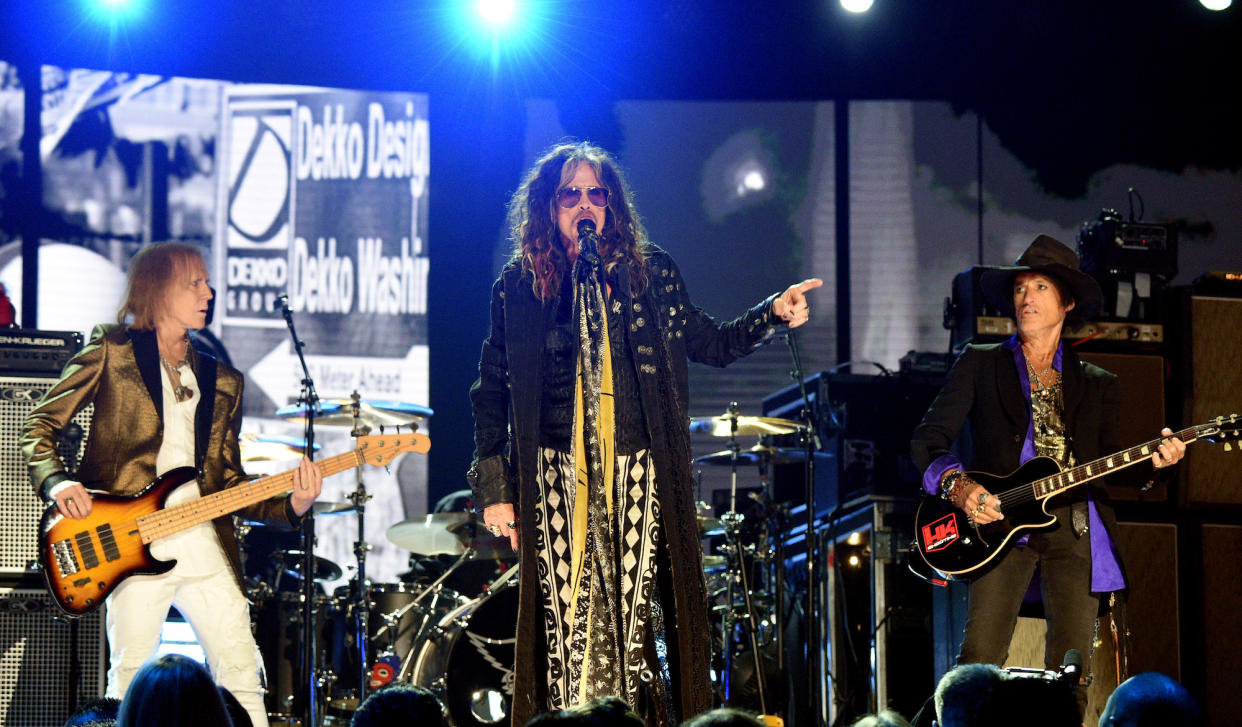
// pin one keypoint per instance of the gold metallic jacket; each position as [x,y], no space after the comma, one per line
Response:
[119,371]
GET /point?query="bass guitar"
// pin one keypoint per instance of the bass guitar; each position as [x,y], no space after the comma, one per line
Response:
[952,544]
[85,560]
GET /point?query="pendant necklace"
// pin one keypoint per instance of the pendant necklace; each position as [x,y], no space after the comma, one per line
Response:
[182,393]
[1038,376]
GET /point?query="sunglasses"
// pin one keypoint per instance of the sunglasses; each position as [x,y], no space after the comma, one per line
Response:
[569,196]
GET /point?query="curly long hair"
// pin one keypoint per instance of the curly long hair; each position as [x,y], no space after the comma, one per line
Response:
[532,219]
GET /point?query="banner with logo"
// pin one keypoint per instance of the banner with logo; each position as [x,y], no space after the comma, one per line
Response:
[324,200]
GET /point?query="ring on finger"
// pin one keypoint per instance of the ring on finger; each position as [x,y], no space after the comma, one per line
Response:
[493,529]
[983,497]
[512,524]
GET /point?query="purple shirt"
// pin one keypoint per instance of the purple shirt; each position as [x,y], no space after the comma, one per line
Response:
[1105,566]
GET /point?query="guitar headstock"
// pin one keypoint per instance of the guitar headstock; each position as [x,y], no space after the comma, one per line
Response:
[1223,430]
[380,449]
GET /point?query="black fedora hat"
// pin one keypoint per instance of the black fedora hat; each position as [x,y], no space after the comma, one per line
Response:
[1052,258]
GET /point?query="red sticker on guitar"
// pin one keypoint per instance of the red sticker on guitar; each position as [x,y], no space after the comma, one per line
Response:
[939,534]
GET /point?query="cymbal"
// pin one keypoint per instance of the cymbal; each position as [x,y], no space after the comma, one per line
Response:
[429,534]
[326,507]
[376,413]
[714,562]
[325,570]
[710,526]
[755,455]
[271,447]
[722,426]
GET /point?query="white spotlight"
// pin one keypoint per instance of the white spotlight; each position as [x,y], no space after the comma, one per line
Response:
[1216,4]
[496,12]
[857,6]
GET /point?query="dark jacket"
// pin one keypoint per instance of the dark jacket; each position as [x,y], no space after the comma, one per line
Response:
[119,372]
[665,329]
[984,389]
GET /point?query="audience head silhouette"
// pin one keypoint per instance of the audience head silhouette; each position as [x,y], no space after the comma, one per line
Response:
[1150,699]
[399,705]
[172,691]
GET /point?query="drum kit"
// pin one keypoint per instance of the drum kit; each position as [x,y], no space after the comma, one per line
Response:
[745,575]
[458,644]
[439,634]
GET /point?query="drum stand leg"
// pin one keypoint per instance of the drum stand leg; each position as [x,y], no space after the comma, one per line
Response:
[434,587]
[362,614]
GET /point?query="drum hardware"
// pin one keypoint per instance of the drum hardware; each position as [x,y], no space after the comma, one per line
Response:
[433,587]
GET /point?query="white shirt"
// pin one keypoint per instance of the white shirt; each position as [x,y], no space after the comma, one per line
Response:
[196,549]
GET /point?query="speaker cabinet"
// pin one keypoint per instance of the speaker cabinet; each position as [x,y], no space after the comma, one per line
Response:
[1222,592]
[1153,609]
[1213,384]
[39,684]
[21,507]
[1142,408]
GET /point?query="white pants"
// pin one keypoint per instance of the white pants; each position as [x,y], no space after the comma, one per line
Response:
[214,607]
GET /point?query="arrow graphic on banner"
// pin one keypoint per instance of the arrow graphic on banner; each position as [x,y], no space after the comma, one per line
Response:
[279,375]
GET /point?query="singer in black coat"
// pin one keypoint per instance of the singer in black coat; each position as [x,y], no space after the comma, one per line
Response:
[528,362]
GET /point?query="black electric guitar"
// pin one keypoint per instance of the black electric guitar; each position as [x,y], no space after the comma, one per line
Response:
[950,543]
[85,560]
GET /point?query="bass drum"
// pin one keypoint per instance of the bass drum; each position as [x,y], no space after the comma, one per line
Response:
[468,660]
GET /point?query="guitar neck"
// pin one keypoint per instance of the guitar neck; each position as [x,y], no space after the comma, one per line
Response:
[1084,473]
[186,515]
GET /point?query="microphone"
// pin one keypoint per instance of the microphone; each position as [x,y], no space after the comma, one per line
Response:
[283,301]
[1071,667]
[588,241]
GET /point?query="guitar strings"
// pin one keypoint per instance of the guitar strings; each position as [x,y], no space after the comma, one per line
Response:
[1026,493]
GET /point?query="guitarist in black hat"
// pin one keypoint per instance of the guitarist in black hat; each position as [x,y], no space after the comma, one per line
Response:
[1030,396]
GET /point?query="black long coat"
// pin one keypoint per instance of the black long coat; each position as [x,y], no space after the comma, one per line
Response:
[665,330]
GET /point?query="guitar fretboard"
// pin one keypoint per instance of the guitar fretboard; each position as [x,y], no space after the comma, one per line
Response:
[1053,484]
[179,517]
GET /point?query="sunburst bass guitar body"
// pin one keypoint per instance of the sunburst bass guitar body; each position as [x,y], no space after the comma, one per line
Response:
[84,560]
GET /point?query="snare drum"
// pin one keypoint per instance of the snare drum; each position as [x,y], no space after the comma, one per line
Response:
[468,659]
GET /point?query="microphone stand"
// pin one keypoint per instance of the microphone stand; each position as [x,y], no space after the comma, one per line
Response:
[811,443]
[309,399]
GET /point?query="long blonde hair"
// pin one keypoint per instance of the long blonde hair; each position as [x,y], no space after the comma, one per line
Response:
[151,272]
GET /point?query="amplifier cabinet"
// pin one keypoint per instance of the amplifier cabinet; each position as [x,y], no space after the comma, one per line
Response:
[22,508]
[39,684]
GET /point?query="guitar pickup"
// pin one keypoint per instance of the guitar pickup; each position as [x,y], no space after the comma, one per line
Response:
[66,559]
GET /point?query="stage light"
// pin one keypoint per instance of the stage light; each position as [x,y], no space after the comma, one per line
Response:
[496,12]
[857,6]
[855,538]
[1216,4]
[112,9]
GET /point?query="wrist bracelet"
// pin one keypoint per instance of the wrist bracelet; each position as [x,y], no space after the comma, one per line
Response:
[950,485]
